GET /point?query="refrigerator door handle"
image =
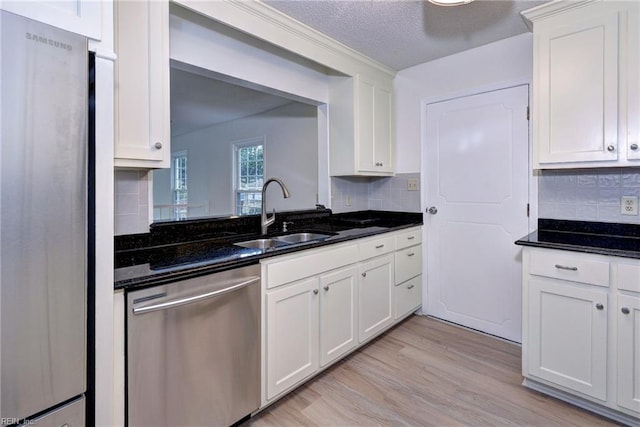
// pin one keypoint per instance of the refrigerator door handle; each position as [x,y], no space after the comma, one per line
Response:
[196,298]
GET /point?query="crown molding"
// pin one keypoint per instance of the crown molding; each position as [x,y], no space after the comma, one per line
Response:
[553,8]
[260,20]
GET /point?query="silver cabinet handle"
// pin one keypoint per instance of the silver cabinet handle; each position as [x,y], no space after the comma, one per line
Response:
[411,254]
[410,286]
[566,267]
[634,147]
[625,310]
[158,145]
[196,298]
[599,306]
[315,292]
[364,274]
[326,288]
[611,148]
[432,210]
[411,237]
[379,246]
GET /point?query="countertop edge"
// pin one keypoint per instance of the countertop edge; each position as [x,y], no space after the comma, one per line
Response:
[213,266]
[576,248]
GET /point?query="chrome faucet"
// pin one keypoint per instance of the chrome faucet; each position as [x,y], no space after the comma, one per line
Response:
[266,221]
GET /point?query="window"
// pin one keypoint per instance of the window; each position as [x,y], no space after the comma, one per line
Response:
[179,185]
[249,171]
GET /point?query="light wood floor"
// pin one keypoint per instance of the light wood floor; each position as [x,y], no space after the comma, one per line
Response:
[424,373]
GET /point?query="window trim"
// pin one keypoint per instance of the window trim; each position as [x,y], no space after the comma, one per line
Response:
[236,146]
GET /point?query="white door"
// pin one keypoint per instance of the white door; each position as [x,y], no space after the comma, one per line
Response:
[477,175]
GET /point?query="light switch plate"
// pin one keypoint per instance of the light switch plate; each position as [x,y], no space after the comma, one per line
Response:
[629,205]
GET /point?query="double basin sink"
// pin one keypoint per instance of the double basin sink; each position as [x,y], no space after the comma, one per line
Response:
[282,241]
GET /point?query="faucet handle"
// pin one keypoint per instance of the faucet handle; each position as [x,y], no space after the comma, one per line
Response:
[285,224]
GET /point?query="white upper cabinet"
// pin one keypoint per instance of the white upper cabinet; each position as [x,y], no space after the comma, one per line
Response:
[77,16]
[361,122]
[142,131]
[585,104]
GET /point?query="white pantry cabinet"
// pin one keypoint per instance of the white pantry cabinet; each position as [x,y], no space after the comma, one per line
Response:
[142,119]
[585,101]
[581,329]
[318,306]
[361,129]
[77,16]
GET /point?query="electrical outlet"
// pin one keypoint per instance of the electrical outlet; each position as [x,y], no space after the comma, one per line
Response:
[412,184]
[629,205]
[348,200]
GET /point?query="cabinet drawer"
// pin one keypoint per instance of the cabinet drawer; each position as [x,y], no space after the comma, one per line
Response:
[629,276]
[408,296]
[408,263]
[576,268]
[409,238]
[375,247]
[297,267]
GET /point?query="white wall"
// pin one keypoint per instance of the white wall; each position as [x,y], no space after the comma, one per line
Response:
[505,61]
[291,153]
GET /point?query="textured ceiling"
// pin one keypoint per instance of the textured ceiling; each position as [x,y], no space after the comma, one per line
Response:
[404,33]
[397,33]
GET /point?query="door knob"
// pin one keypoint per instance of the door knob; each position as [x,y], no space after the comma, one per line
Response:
[432,210]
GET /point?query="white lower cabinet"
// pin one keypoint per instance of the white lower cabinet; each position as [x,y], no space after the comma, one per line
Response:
[629,352]
[568,335]
[338,333]
[321,304]
[375,296]
[408,297]
[581,337]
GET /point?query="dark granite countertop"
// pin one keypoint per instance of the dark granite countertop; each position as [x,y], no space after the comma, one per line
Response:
[179,250]
[622,240]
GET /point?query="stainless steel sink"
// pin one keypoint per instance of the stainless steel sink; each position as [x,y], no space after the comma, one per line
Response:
[281,241]
[301,237]
[261,244]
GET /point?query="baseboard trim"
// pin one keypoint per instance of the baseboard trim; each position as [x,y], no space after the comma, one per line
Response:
[617,416]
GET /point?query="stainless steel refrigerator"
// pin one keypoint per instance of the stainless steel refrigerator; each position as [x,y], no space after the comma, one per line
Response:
[43,224]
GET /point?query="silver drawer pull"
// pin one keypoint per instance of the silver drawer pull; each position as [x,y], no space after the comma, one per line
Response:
[411,254]
[410,286]
[411,237]
[625,310]
[566,267]
[600,306]
[379,246]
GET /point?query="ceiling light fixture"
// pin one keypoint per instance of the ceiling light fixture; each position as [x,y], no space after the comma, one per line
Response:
[450,2]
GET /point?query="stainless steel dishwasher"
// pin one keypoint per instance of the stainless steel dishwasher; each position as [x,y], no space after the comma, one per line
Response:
[193,350]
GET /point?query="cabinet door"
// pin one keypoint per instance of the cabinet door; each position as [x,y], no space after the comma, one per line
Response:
[375,296]
[629,352]
[576,84]
[142,84]
[408,296]
[567,334]
[633,81]
[338,332]
[77,16]
[374,122]
[292,335]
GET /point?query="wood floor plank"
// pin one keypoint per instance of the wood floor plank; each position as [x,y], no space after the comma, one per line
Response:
[425,372]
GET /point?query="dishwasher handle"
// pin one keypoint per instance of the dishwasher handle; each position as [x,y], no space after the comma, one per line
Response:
[195,298]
